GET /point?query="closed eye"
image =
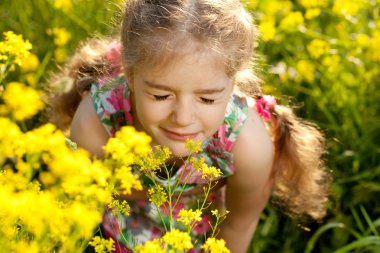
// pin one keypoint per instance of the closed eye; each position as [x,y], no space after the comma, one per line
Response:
[208,101]
[160,98]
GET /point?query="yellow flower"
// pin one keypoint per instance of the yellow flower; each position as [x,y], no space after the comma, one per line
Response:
[22,101]
[64,5]
[14,48]
[273,8]
[30,63]
[362,40]
[305,70]
[178,240]
[347,7]
[60,54]
[317,48]
[119,207]
[150,246]
[154,160]
[128,180]
[267,29]
[193,147]
[61,36]
[157,195]
[292,21]
[210,172]
[331,62]
[102,245]
[312,13]
[126,145]
[374,47]
[309,4]
[213,245]
[189,217]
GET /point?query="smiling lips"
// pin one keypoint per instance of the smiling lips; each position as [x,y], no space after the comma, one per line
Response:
[179,136]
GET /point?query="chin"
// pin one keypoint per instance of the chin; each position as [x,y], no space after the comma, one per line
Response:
[178,150]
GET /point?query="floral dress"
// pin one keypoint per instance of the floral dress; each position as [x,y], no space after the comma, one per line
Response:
[113,105]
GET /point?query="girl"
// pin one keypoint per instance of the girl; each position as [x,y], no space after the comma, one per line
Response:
[183,70]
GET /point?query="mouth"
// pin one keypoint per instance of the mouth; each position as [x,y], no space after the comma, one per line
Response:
[179,136]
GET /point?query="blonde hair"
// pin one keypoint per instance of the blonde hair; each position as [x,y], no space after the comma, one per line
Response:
[154,30]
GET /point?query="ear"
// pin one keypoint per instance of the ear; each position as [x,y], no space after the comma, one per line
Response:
[130,79]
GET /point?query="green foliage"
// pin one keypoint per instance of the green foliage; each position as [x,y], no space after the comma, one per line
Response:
[324,55]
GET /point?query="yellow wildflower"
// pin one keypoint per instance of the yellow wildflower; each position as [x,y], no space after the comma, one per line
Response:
[317,48]
[292,21]
[102,245]
[30,63]
[14,48]
[157,195]
[309,4]
[178,240]
[213,245]
[362,40]
[331,62]
[64,5]
[305,70]
[312,13]
[188,217]
[273,8]
[267,29]
[150,246]
[347,7]
[210,172]
[60,54]
[22,101]
[119,207]
[126,144]
[61,36]
[193,147]
[154,160]
[128,180]
[374,47]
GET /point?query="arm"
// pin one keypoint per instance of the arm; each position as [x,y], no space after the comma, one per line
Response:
[248,190]
[87,130]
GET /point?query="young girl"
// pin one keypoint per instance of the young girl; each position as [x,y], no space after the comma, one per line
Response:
[183,69]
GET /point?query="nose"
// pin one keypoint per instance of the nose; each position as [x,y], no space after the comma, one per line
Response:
[184,113]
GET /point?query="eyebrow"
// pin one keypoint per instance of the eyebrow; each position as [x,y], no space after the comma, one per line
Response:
[200,91]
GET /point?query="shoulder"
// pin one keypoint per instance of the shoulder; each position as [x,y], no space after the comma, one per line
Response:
[87,130]
[253,153]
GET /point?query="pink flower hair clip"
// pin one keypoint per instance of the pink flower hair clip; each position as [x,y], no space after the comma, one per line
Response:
[265,105]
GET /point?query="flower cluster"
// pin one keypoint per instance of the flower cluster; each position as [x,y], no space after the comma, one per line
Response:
[20,101]
[13,49]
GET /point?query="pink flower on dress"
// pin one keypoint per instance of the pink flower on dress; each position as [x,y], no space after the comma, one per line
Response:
[116,98]
[203,226]
[110,225]
[127,110]
[223,140]
[264,105]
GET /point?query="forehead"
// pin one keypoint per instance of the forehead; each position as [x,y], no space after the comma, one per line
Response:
[193,69]
[168,51]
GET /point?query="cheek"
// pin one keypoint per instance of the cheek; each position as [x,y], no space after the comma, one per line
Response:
[213,119]
[149,113]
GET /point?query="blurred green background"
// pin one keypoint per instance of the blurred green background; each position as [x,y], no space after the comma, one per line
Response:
[320,56]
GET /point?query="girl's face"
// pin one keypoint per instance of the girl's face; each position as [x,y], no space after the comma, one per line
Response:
[185,99]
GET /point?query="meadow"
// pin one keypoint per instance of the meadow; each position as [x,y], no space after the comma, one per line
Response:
[322,57]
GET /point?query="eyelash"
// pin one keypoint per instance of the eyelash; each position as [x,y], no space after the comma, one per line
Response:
[204,100]
[207,101]
[160,98]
